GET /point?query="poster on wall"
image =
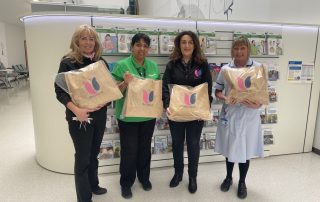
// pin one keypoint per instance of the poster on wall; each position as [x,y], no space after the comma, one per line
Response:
[273,71]
[274,43]
[272,94]
[166,40]
[3,46]
[272,115]
[267,136]
[108,38]
[207,42]
[154,45]
[307,72]
[257,43]
[299,72]
[124,40]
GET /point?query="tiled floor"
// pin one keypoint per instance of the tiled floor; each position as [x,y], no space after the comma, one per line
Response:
[279,178]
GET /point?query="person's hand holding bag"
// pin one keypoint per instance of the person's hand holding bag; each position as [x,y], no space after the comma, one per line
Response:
[251,104]
[127,77]
[82,114]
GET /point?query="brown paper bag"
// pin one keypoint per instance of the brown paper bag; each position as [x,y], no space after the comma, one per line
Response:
[144,99]
[189,103]
[248,83]
[92,86]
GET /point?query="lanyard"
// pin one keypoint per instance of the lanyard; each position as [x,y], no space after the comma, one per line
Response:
[142,72]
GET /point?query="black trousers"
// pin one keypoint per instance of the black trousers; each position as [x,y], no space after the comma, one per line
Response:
[86,141]
[191,131]
[135,157]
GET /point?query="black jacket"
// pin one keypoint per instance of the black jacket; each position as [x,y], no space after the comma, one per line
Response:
[66,64]
[177,73]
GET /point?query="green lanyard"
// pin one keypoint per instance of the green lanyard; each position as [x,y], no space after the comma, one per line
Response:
[142,72]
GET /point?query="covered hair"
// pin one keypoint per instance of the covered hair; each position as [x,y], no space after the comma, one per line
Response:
[239,41]
[75,52]
[197,54]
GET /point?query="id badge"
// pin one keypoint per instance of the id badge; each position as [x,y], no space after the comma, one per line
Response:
[223,121]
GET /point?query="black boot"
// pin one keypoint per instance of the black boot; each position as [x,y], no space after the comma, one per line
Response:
[126,192]
[177,178]
[99,190]
[192,185]
[242,190]
[225,186]
[146,185]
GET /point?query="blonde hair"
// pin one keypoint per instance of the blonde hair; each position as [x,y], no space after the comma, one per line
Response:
[75,52]
[241,40]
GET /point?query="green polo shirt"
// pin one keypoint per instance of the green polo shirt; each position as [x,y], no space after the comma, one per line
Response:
[148,70]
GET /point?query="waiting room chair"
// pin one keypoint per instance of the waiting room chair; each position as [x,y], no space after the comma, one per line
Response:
[6,75]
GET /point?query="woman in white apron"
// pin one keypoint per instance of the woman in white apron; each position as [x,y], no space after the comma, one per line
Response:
[238,135]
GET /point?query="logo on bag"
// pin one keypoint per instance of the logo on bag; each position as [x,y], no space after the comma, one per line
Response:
[244,83]
[190,99]
[92,87]
[148,97]
[198,72]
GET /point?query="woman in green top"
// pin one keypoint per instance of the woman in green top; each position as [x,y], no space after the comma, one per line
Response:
[135,133]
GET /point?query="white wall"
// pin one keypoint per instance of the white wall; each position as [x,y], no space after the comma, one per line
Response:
[288,11]
[11,44]
[3,45]
[316,141]
[15,37]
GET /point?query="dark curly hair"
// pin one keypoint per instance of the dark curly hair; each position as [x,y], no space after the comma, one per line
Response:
[197,54]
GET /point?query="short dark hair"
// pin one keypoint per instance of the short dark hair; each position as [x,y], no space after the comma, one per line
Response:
[197,54]
[137,37]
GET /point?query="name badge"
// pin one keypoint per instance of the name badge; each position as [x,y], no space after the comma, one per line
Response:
[224,121]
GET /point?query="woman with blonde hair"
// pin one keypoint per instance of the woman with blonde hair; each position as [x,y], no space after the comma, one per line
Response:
[85,49]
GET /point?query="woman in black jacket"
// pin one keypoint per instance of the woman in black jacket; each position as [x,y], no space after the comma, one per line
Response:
[86,135]
[188,67]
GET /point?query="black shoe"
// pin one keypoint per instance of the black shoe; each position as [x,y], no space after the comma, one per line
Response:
[99,190]
[146,185]
[126,192]
[242,190]
[175,180]
[226,184]
[192,185]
